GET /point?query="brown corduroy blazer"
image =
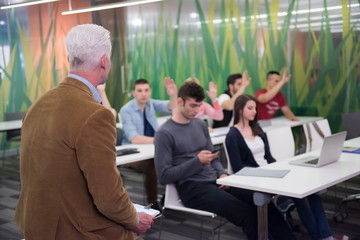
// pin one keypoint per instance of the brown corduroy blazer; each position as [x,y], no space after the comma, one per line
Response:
[70,186]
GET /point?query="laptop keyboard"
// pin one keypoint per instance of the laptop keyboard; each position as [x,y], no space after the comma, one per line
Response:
[315,161]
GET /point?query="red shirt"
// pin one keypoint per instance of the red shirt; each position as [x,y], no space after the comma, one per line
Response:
[267,110]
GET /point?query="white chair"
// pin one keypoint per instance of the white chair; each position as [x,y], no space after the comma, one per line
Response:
[172,201]
[229,168]
[315,133]
[281,142]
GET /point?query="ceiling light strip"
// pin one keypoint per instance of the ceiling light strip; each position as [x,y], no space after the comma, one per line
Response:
[27,4]
[107,6]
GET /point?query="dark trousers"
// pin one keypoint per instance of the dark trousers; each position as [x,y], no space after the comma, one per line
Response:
[236,205]
[150,179]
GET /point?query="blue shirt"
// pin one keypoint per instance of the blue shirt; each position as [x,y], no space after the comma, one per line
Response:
[87,83]
[132,117]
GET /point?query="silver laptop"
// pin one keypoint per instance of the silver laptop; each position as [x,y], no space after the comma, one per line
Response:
[330,152]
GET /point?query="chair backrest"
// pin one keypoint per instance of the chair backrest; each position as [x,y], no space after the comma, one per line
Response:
[173,201]
[229,168]
[315,133]
[11,134]
[172,196]
[351,124]
[119,136]
[281,141]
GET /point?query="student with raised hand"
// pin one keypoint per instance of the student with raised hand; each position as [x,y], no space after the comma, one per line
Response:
[70,187]
[247,146]
[105,101]
[183,156]
[236,83]
[270,99]
[139,125]
[215,112]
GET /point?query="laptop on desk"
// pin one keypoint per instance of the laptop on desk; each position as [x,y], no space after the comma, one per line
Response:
[330,152]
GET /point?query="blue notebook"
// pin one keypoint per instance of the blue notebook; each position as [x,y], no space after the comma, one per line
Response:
[351,150]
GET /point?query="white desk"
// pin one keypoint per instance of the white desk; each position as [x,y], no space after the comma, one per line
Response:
[146,151]
[10,125]
[218,135]
[301,181]
[355,142]
[283,121]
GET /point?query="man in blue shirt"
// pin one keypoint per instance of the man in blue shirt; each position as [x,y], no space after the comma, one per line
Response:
[139,125]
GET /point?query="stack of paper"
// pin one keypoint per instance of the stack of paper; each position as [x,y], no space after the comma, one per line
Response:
[150,211]
[261,172]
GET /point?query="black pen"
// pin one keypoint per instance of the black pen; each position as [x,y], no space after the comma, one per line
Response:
[148,206]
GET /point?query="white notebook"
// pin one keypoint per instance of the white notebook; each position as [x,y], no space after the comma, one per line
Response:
[261,172]
[150,211]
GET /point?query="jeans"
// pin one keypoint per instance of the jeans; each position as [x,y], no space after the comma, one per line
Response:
[236,205]
[312,215]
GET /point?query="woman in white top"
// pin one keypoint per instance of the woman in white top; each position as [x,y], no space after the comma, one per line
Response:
[248,146]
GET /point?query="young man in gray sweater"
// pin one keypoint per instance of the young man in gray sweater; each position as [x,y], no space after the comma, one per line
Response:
[183,155]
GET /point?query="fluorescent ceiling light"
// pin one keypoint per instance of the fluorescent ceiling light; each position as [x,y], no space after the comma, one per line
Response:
[108,6]
[27,4]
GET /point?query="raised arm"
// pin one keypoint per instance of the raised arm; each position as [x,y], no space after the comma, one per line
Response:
[289,114]
[214,112]
[104,99]
[270,94]
[229,104]
[171,91]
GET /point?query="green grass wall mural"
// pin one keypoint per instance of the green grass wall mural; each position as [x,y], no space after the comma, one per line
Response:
[230,36]
[207,39]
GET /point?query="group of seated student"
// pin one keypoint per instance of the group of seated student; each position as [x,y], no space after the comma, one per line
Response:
[183,150]
[269,99]
[183,156]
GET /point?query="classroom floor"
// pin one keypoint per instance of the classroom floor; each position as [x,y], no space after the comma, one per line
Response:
[177,225]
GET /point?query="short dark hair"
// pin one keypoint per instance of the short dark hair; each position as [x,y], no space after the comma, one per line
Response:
[239,106]
[231,78]
[140,81]
[271,73]
[191,90]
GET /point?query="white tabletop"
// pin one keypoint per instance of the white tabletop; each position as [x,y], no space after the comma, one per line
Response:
[355,142]
[10,125]
[218,135]
[146,151]
[283,121]
[301,181]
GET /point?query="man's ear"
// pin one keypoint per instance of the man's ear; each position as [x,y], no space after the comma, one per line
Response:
[180,101]
[103,61]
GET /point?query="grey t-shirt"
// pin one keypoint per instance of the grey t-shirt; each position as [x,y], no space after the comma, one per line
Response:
[176,149]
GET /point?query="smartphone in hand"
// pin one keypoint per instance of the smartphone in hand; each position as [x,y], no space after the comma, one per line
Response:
[216,149]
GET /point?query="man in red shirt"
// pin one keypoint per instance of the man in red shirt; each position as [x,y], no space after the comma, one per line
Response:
[270,99]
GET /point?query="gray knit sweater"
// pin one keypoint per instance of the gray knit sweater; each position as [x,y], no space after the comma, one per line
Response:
[176,149]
